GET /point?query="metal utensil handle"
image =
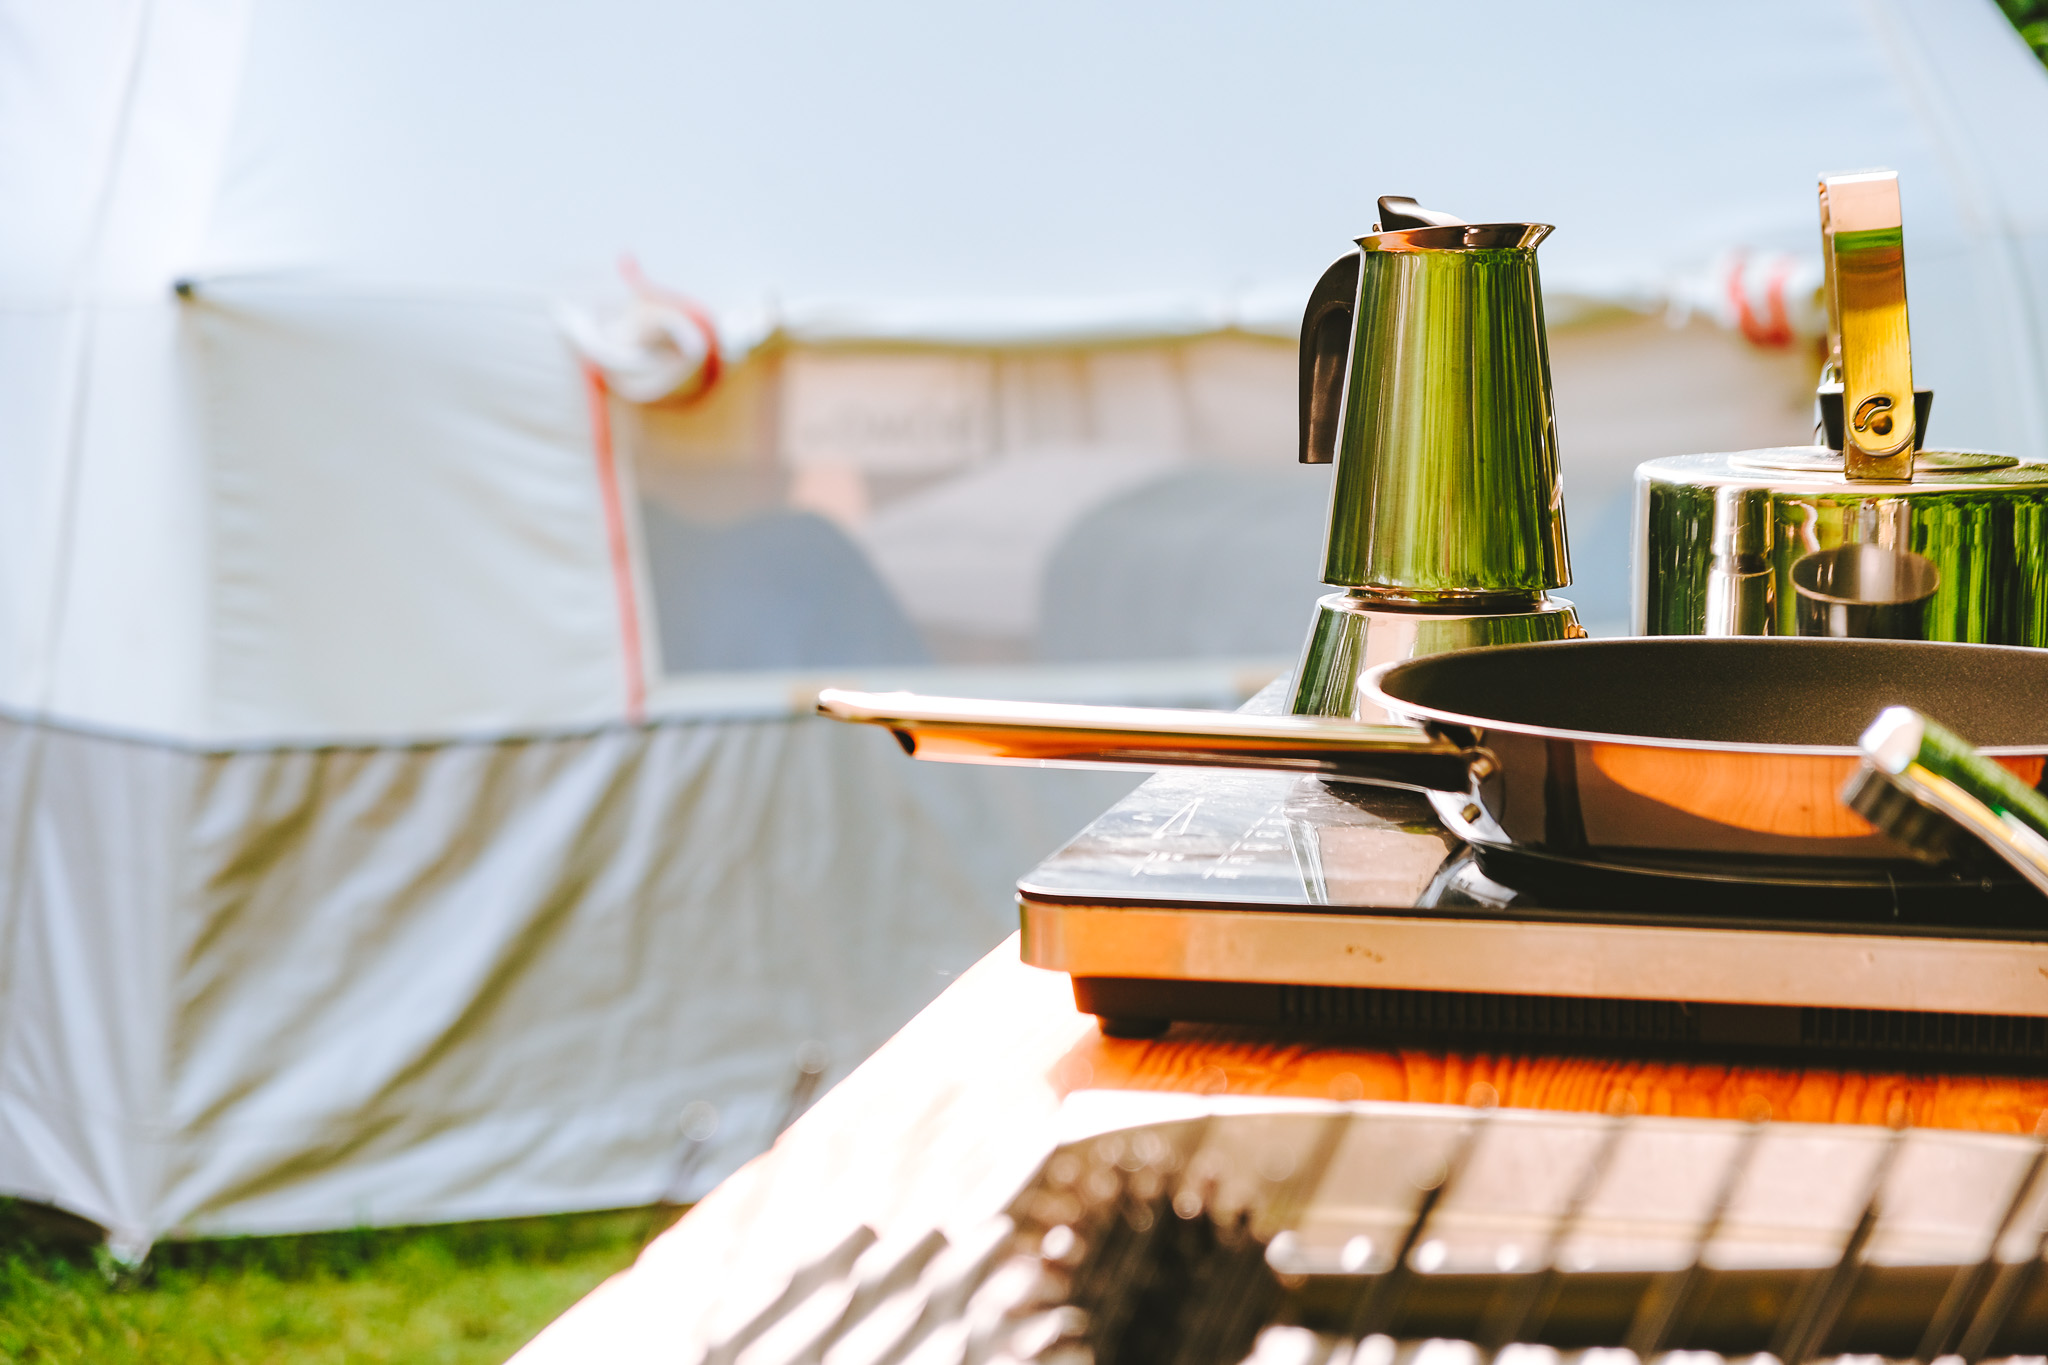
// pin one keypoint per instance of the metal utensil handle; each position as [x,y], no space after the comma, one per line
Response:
[1054,735]
[1941,770]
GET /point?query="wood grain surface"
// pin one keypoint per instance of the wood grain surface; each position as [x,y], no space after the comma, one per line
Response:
[962,1100]
[1230,1062]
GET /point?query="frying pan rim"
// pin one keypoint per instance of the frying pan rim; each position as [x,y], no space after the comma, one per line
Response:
[1370,680]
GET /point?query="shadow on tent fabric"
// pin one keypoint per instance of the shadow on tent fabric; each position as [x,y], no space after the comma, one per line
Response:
[1201,563]
[787,590]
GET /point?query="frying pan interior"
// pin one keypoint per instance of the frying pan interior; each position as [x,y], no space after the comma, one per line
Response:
[1738,690]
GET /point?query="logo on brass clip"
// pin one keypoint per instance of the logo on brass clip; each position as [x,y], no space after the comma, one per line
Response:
[1873,414]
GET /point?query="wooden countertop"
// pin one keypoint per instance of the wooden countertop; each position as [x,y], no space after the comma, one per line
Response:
[962,1098]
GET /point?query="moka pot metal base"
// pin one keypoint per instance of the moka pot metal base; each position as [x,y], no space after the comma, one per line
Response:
[1358,630]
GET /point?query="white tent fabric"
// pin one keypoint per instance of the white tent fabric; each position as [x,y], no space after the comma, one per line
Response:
[354,178]
[265,990]
[304,925]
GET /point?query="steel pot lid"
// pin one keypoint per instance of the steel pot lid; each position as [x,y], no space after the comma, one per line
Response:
[1463,237]
[1933,464]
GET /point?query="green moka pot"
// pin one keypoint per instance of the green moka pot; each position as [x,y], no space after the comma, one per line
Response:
[1425,378]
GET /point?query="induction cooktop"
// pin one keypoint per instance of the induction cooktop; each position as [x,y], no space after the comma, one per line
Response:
[1280,901]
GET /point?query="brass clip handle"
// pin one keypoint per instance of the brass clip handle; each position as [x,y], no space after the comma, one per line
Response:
[1862,238]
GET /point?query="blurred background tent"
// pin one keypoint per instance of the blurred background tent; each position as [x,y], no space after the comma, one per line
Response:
[446,446]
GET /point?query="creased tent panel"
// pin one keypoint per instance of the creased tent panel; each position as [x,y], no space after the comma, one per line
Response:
[92,850]
[408,533]
[296,988]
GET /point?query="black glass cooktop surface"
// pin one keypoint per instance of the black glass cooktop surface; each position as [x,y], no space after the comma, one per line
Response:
[1233,840]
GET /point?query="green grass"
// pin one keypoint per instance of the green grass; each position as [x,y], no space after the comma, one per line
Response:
[459,1293]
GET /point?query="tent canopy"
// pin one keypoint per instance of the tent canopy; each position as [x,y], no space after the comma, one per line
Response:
[915,152]
[376,202]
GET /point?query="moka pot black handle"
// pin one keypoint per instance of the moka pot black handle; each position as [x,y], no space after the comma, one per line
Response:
[1325,352]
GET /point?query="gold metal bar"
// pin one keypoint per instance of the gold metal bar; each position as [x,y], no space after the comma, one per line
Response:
[1862,229]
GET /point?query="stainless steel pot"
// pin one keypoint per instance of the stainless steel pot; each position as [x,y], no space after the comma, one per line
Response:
[1871,534]
[1723,542]
[1593,750]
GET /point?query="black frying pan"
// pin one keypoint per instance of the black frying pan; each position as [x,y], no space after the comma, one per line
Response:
[1581,748]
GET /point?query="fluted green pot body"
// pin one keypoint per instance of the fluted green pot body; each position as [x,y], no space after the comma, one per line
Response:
[1447,478]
